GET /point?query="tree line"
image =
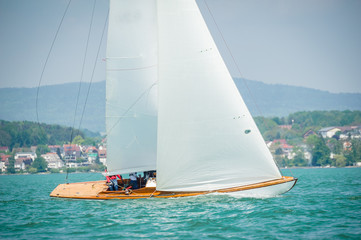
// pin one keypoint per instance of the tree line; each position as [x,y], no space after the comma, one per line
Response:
[301,122]
[25,134]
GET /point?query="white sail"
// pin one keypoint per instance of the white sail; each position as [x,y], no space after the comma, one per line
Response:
[207,139]
[131,91]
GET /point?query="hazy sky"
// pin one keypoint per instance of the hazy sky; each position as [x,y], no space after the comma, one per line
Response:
[310,43]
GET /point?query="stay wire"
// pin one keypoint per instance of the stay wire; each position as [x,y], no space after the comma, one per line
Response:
[131,106]
[239,71]
[92,76]
[233,59]
[82,71]
[46,62]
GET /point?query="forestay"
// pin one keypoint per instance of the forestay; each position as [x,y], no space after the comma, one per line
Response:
[131,91]
[207,139]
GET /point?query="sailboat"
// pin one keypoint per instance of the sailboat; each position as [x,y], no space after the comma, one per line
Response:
[172,107]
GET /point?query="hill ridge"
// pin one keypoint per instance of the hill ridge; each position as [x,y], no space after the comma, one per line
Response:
[57,102]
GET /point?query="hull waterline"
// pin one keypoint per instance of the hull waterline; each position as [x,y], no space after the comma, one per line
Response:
[98,190]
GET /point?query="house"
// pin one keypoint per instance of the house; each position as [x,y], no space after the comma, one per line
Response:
[103,155]
[329,132]
[287,149]
[33,148]
[4,161]
[19,164]
[2,166]
[54,148]
[309,133]
[4,149]
[53,160]
[72,165]
[71,151]
[24,155]
[92,153]
[347,146]
[4,157]
[350,131]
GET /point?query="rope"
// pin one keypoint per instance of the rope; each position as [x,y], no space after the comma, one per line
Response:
[131,106]
[46,61]
[92,76]
[82,70]
[151,195]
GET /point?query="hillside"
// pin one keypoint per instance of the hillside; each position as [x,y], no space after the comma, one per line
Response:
[281,100]
[56,103]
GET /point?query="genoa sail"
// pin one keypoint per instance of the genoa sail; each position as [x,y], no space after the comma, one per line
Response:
[131,86]
[207,139]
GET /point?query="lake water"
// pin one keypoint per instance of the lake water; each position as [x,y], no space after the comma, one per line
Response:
[324,204]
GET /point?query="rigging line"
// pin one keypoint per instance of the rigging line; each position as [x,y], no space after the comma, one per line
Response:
[239,71]
[82,70]
[47,59]
[95,64]
[233,59]
[131,106]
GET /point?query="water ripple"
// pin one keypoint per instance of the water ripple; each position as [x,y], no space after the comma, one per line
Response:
[325,204]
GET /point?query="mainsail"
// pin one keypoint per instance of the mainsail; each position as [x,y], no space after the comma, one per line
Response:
[207,139]
[131,91]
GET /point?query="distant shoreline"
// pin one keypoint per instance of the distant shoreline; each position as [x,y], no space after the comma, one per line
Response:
[319,167]
[283,168]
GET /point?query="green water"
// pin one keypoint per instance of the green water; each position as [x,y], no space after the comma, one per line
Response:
[324,204]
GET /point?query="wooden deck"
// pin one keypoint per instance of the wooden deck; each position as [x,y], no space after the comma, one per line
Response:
[98,190]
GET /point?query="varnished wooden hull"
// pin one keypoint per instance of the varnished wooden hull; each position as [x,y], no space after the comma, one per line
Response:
[98,190]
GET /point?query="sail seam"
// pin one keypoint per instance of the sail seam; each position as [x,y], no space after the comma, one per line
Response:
[132,69]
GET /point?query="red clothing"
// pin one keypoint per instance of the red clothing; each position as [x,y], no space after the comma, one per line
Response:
[113,177]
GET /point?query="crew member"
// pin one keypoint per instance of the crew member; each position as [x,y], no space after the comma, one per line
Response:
[113,186]
[133,180]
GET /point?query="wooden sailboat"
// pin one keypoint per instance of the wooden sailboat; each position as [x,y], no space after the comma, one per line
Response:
[173,107]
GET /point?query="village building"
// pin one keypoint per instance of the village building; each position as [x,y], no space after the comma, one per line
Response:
[19,164]
[22,163]
[72,165]
[103,155]
[24,155]
[2,166]
[347,146]
[54,148]
[71,151]
[4,161]
[329,132]
[53,160]
[33,148]
[309,133]
[345,132]
[287,150]
[4,149]
[92,154]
